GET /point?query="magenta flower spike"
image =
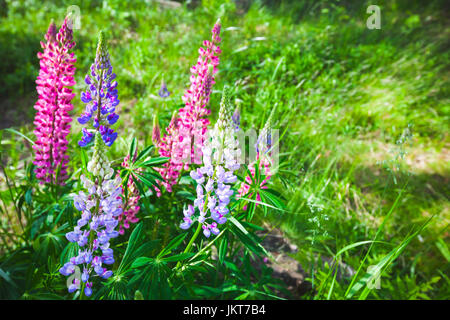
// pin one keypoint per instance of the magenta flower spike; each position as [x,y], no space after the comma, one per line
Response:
[52,119]
[186,134]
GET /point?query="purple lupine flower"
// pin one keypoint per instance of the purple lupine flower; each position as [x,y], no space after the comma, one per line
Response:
[236,117]
[163,92]
[88,289]
[102,223]
[101,204]
[100,97]
[220,154]
[86,138]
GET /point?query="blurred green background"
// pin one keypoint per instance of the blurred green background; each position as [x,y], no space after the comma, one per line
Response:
[364,113]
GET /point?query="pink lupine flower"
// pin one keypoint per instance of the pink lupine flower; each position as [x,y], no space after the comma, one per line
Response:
[131,203]
[186,134]
[52,120]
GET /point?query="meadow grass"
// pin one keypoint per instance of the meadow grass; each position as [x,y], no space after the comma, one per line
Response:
[343,94]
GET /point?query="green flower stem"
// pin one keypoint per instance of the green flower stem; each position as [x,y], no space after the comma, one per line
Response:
[191,242]
[82,291]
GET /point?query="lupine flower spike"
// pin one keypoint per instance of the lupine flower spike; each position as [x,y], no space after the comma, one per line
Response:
[101,97]
[52,120]
[185,136]
[101,205]
[220,161]
[263,162]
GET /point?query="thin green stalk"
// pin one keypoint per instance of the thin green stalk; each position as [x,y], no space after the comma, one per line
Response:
[82,291]
[191,242]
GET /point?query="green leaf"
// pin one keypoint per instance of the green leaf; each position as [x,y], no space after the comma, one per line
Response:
[223,249]
[442,246]
[131,247]
[172,245]
[277,202]
[84,159]
[132,150]
[71,250]
[138,295]
[5,276]
[144,153]
[377,270]
[155,162]
[186,194]
[141,261]
[20,134]
[248,239]
[178,257]
[149,183]
[357,244]
[45,296]
[262,203]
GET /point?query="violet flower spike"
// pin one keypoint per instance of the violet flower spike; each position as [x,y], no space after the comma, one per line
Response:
[100,97]
[100,206]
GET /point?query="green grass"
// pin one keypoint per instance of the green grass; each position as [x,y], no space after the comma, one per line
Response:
[343,94]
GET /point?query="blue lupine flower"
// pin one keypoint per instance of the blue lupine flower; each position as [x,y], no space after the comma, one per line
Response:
[163,92]
[108,135]
[101,96]
[86,139]
[236,117]
[88,289]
